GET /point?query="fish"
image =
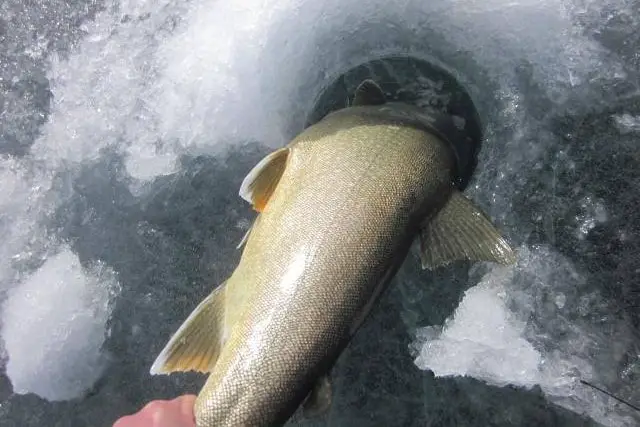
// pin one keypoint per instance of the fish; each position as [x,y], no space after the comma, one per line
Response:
[338,210]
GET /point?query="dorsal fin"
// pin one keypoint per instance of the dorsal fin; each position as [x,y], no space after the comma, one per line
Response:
[369,93]
[263,179]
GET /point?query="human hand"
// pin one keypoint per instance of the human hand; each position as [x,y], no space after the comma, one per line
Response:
[162,413]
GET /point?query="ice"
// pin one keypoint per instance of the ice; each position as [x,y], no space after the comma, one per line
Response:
[517,326]
[132,84]
[126,129]
[54,326]
[483,339]
[627,123]
[593,213]
[134,87]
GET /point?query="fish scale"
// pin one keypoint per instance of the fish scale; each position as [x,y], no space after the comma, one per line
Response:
[339,208]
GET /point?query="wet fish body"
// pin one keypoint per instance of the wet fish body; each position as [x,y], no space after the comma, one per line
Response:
[339,209]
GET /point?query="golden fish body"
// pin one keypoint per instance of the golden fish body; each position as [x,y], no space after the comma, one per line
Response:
[339,209]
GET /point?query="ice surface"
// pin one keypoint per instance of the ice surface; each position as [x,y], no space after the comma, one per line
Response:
[627,123]
[54,326]
[135,86]
[527,326]
[483,340]
[119,127]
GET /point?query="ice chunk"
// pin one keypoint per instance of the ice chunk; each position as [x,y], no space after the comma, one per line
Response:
[593,213]
[53,326]
[483,340]
[532,324]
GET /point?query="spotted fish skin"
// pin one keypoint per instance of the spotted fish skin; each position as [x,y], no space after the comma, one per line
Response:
[339,208]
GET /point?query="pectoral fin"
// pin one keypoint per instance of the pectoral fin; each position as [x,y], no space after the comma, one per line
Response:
[319,400]
[196,344]
[369,93]
[461,231]
[262,180]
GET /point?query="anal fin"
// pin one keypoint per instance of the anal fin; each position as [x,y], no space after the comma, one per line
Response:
[319,400]
[461,231]
[196,344]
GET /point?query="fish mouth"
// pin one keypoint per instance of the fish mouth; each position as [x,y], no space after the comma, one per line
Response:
[440,97]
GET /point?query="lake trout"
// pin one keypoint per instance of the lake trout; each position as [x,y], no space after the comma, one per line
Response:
[339,208]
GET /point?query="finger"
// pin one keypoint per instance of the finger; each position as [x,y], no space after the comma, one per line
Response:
[140,418]
[153,414]
[186,404]
[172,413]
[124,422]
[162,413]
